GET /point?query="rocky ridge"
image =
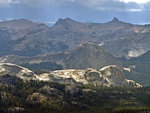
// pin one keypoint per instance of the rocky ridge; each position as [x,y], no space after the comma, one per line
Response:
[108,76]
[17,71]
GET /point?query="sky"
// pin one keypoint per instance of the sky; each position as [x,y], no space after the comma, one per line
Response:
[97,11]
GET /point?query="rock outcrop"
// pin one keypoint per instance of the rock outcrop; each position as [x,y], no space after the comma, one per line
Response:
[107,76]
[16,110]
[11,72]
[72,89]
[50,91]
[37,97]
[110,75]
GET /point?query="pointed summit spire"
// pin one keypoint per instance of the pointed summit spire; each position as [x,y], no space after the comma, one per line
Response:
[60,21]
[64,21]
[68,19]
[115,19]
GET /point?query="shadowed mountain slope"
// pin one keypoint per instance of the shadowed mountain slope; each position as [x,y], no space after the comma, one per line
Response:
[86,55]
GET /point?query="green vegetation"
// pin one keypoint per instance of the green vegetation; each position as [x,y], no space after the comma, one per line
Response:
[56,98]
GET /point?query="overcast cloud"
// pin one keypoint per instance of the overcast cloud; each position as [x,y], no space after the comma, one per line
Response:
[117,5]
[84,10]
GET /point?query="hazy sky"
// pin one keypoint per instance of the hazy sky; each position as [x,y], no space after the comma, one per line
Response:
[133,11]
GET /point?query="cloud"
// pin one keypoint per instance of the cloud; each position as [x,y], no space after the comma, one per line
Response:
[108,5]
[8,19]
[135,1]
[112,5]
[40,3]
[9,1]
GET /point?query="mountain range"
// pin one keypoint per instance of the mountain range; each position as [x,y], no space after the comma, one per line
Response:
[26,38]
[69,44]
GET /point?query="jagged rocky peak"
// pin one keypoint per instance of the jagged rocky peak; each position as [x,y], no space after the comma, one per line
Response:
[115,19]
[61,21]
[61,24]
[67,21]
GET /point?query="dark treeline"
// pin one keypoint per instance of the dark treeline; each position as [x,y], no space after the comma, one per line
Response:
[56,98]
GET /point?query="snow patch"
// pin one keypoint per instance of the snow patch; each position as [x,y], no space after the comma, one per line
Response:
[136,53]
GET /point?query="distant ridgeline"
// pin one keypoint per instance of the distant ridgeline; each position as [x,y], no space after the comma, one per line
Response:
[27,38]
[86,55]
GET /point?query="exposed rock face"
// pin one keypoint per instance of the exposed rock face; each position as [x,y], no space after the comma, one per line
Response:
[4,95]
[71,76]
[51,91]
[95,77]
[107,76]
[16,109]
[72,89]
[37,97]
[113,74]
[116,76]
[16,71]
